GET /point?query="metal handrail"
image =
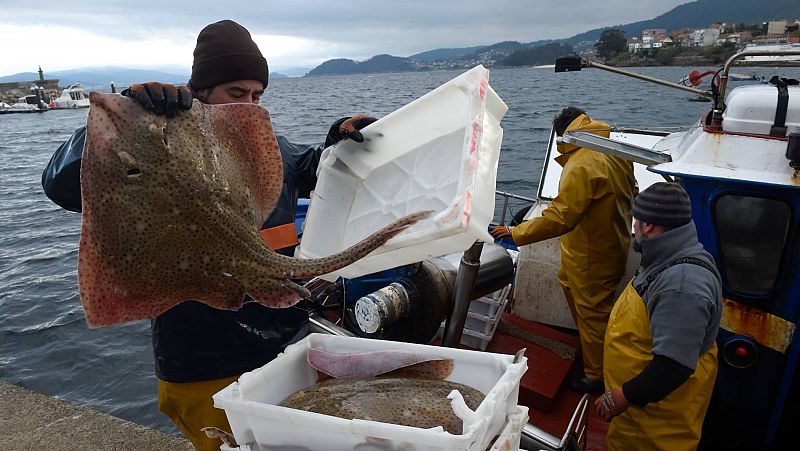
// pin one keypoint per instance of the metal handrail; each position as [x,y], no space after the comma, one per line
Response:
[719,108]
[574,428]
[506,195]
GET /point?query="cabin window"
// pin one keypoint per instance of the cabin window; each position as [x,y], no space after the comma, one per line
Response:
[752,233]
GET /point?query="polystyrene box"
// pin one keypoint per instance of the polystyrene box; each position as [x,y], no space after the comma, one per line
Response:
[511,435]
[438,153]
[255,418]
[751,109]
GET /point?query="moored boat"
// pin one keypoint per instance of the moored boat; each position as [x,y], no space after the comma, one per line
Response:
[739,163]
[71,97]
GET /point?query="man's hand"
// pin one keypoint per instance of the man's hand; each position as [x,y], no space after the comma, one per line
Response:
[160,98]
[499,232]
[348,127]
[611,403]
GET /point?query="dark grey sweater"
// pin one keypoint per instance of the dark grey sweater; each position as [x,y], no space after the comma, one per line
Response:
[685,301]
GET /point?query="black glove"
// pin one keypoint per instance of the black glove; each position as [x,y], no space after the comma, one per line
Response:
[348,127]
[160,98]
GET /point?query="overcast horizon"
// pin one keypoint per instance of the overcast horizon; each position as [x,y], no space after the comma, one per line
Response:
[149,35]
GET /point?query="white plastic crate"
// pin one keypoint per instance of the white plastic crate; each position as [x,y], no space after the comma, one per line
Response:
[482,319]
[257,421]
[512,433]
[439,152]
[508,440]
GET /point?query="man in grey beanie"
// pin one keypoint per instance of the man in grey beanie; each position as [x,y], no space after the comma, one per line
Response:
[660,354]
[198,349]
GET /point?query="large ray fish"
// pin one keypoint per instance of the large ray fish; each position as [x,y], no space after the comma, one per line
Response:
[172,208]
[389,387]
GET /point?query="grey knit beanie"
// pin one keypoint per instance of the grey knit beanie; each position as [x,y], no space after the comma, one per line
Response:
[663,203]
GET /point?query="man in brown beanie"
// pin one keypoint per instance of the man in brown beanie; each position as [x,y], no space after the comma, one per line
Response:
[198,349]
[660,356]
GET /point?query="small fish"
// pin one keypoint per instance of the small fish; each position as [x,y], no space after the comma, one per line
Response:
[172,210]
[414,395]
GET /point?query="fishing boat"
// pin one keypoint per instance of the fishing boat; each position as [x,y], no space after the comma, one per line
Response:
[739,163]
[26,104]
[71,97]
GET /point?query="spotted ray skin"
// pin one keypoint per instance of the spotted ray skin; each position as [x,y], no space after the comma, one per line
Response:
[172,208]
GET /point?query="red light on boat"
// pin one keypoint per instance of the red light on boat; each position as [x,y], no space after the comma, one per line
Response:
[740,352]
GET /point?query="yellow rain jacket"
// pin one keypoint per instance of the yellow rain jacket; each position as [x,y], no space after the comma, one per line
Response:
[592,212]
[675,422]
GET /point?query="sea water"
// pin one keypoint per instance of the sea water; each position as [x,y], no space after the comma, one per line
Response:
[45,344]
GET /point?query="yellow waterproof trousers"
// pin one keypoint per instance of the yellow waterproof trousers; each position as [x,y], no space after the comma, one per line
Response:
[675,422]
[590,303]
[190,406]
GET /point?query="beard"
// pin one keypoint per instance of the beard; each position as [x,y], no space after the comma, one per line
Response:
[637,246]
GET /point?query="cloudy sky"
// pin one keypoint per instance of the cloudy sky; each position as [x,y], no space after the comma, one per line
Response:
[61,35]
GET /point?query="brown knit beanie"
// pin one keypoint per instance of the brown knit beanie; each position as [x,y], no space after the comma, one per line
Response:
[663,203]
[226,52]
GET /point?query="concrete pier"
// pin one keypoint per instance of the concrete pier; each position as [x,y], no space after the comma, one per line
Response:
[32,421]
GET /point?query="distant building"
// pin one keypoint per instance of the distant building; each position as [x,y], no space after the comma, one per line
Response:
[705,37]
[683,37]
[771,39]
[12,91]
[740,38]
[776,27]
[653,37]
[634,44]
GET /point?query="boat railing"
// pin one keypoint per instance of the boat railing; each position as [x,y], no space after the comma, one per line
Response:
[740,59]
[506,207]
[574,434]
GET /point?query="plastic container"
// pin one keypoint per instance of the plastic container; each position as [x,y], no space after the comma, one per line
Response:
[257,421]
[512,434]
[751,109]
[508,440]
[482,319]
[439,153]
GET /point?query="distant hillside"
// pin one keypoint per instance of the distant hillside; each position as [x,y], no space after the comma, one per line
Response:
[538,55]
[432,56]
[376,64]
[500,48]
[293,71]
[101,77]
[705,12]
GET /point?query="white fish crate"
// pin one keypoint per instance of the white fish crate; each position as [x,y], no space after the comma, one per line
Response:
[511,435]
[483,317]
[440,153]
[257,421]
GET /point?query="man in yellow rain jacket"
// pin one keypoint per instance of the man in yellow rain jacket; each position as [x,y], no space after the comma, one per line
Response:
[660,358]
[592,215]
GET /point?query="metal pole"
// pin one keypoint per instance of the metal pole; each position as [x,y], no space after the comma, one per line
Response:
[464,284]
[514,196]
[655,80]
[318,324]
